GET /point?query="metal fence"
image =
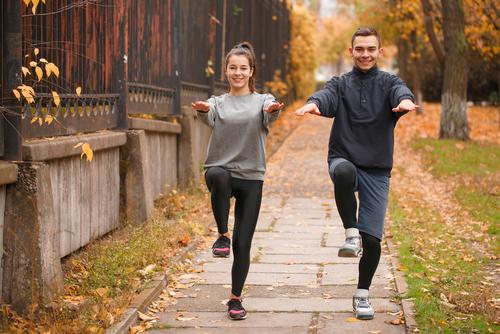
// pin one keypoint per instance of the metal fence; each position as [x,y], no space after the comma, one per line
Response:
[133,57]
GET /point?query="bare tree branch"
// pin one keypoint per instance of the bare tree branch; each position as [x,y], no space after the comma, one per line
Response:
[429,27]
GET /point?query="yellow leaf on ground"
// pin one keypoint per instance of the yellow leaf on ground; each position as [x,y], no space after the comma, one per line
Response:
[351,319]
[39,73]
[87,150]
[375,332]
[145,317]
[137,329]
[102,291]
[56,97]
[185,240]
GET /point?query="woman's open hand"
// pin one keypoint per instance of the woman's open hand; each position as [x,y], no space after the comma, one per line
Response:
[203,106]
[273,106]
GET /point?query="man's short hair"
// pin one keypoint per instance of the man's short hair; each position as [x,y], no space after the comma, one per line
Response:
[366,31]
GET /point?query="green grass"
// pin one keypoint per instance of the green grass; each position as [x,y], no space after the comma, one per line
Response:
[427,278]
[437,261]
[472,161]
[482,205]
[446,157]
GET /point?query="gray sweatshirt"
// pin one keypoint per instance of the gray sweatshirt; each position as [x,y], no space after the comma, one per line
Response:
[239,129]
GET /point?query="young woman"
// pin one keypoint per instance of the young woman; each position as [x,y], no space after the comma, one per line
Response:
[236,161]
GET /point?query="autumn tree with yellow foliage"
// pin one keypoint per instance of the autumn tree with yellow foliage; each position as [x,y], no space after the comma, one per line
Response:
[303,52]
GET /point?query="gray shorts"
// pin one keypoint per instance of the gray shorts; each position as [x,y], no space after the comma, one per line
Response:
[373,195]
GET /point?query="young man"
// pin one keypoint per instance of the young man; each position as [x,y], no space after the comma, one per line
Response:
[366,103]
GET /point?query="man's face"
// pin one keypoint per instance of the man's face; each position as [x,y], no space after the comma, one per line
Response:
[365,52]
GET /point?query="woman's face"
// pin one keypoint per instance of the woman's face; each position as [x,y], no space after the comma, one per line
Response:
[238,72]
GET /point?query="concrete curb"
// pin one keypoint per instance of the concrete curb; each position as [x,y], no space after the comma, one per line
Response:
[402,288]
[152,291]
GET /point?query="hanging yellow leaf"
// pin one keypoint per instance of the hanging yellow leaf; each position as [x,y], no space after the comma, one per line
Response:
[35,5]
[56,97]
[43,1]
[43,60]
[17,94]
[27,2]
[49,119]
[25,70]
[34,119]
[87,150]
[78,91]
[36,51]
[40,121]
[78,145]
[33,63]
[39,72]
[275,18]
[53,68]
[48,70]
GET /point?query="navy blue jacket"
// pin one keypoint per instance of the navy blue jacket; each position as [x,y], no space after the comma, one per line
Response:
[363,130]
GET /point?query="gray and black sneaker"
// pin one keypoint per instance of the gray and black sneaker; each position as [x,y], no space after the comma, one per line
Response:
[362,308]
[351,248]
[221,247]
[235,310]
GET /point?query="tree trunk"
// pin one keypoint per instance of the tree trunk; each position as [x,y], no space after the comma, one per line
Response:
[454,96]
[416,84]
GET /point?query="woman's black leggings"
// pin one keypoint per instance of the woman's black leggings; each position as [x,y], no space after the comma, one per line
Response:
[344,187]
[248,195]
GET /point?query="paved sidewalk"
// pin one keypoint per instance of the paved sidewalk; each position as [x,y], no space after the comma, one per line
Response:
[296,284]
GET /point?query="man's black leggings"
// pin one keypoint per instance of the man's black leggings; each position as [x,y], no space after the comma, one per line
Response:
[248,195]
[345,185]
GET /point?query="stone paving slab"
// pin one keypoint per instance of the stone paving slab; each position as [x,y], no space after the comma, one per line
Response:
[304,230]
[305,258]
[304,250]
[326,325]
[340,274]
[313,305]
[259,330]
[206,293]
[219,319]
[261,278]
[263,268]
[289,235]
[282,242]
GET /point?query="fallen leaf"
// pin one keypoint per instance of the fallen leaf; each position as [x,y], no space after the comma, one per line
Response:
[145,317]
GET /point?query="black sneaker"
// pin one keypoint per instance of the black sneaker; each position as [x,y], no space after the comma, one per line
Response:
[221,247]
[235,310]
